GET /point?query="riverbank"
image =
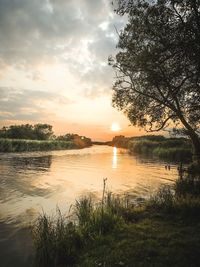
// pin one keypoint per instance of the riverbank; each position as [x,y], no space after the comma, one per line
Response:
[38,137]
[19,145]
[169,149]
[162,231]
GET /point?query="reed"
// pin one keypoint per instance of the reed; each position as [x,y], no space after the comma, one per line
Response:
[18,145]
[86,235]
[168,149]
[56,240]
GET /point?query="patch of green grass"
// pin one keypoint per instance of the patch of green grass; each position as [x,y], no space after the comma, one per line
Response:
[164,231]
[152,242]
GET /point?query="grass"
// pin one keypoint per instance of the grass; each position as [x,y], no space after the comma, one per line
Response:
[57,241]
[178,150]
[17,145]
[169,149]
[163,231]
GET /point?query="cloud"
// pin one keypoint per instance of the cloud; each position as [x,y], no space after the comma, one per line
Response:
[31,29]
[55,45]
[29,105]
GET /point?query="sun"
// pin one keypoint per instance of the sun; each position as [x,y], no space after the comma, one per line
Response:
[115,127]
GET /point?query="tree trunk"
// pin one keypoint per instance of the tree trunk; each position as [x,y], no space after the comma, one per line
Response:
[195,140]
[196,147]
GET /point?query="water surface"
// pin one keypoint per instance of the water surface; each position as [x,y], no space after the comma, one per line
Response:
[36,181]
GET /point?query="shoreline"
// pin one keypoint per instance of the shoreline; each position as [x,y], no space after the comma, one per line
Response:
[23,145]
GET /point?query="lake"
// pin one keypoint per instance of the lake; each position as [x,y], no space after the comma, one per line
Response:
[33,182]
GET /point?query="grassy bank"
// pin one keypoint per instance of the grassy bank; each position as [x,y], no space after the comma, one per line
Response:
[170,149]
[18,145]
[164,231]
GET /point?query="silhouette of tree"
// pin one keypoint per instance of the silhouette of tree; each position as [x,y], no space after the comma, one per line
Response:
[158,65]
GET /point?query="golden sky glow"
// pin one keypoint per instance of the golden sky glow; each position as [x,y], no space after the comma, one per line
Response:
[54,69]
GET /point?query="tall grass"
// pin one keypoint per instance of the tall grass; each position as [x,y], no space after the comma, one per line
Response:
[59,240]
[171,149]
[179,150]
[182,198]
[17,145]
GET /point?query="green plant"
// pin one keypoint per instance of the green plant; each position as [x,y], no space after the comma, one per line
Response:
[162,199]
[56,241]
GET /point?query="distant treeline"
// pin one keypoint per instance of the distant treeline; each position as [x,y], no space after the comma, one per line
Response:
[79,141]
[173,149]
[101,143]
[27,131]
[38,137]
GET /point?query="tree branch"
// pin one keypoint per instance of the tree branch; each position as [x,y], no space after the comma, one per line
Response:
[162,126]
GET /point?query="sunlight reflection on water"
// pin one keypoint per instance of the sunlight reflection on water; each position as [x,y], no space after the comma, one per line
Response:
[114,161]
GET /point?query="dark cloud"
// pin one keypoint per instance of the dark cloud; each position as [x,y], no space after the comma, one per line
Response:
[31,29]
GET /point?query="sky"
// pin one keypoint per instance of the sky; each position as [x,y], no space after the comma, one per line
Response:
[54,66]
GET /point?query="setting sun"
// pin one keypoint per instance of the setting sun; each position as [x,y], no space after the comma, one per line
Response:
[115,127]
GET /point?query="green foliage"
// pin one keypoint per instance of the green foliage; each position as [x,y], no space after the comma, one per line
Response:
[13,139]
[26,131]
[18,145]
[56,240]
[163,199]
[183,199]
[67,137]
[152,241]
[42,131]
[172,149]
[120,141]
[97,219]
[169,149]
[157,65]
[194,169]
[38,138]
[160,232]
[187,187]
[176,154]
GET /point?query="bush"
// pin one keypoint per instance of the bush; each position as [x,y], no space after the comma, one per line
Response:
[187,186]
[194,170]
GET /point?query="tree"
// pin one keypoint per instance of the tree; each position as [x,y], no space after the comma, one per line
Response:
[43,131]
[158,65]
[24,131]
[27,131]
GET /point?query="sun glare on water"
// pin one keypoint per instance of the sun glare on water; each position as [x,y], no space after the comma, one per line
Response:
[115,127]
